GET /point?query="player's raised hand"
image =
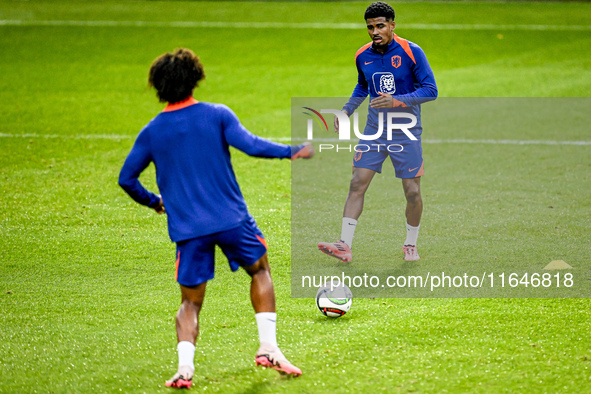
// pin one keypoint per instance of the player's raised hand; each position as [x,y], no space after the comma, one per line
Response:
[303,151]
[386,101]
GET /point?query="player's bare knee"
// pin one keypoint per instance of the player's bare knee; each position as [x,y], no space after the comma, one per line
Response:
[193,305]
[358,186]
[260,266]
[413,195]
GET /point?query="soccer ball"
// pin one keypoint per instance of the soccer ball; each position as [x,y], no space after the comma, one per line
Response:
[335,302]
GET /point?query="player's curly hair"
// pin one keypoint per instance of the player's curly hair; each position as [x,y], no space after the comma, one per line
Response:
[379,8]
[175,75]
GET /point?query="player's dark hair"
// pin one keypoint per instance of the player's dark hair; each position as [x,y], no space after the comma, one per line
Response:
[379,8]
[175,75]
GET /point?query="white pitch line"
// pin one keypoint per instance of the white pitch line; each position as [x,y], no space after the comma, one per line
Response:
[454,141]
[436,26]
[117,137]
[506,142]
[114,137]
[285,25]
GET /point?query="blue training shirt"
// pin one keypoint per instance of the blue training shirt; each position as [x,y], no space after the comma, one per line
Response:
[189,145]
[403,72]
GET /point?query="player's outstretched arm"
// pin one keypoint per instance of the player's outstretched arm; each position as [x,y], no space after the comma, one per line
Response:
[239,137]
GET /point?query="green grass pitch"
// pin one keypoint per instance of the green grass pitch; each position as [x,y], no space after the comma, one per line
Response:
[87,291]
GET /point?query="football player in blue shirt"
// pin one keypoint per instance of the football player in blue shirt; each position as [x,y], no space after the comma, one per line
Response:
[395,74]
[189,144]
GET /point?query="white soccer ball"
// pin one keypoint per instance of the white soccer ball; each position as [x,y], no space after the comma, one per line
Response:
[334,300]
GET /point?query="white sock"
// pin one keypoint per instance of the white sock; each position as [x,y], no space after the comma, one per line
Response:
[412,233]
[186,352]
[348,230]
[266,322]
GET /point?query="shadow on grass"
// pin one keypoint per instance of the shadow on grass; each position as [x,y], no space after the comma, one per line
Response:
[259,378]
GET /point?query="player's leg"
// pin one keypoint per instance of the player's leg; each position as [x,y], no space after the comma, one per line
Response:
[262,297]
[187,330]
[414,210]
[187,317]
[195,266]
[408,162]
[414,201]
[246,247]
[262,294]
[360,181]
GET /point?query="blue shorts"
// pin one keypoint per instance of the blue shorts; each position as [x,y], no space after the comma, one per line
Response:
[406,156]
[243,246]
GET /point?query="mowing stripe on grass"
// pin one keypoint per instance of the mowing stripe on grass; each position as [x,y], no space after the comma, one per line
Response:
[116,137]
[282,25]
